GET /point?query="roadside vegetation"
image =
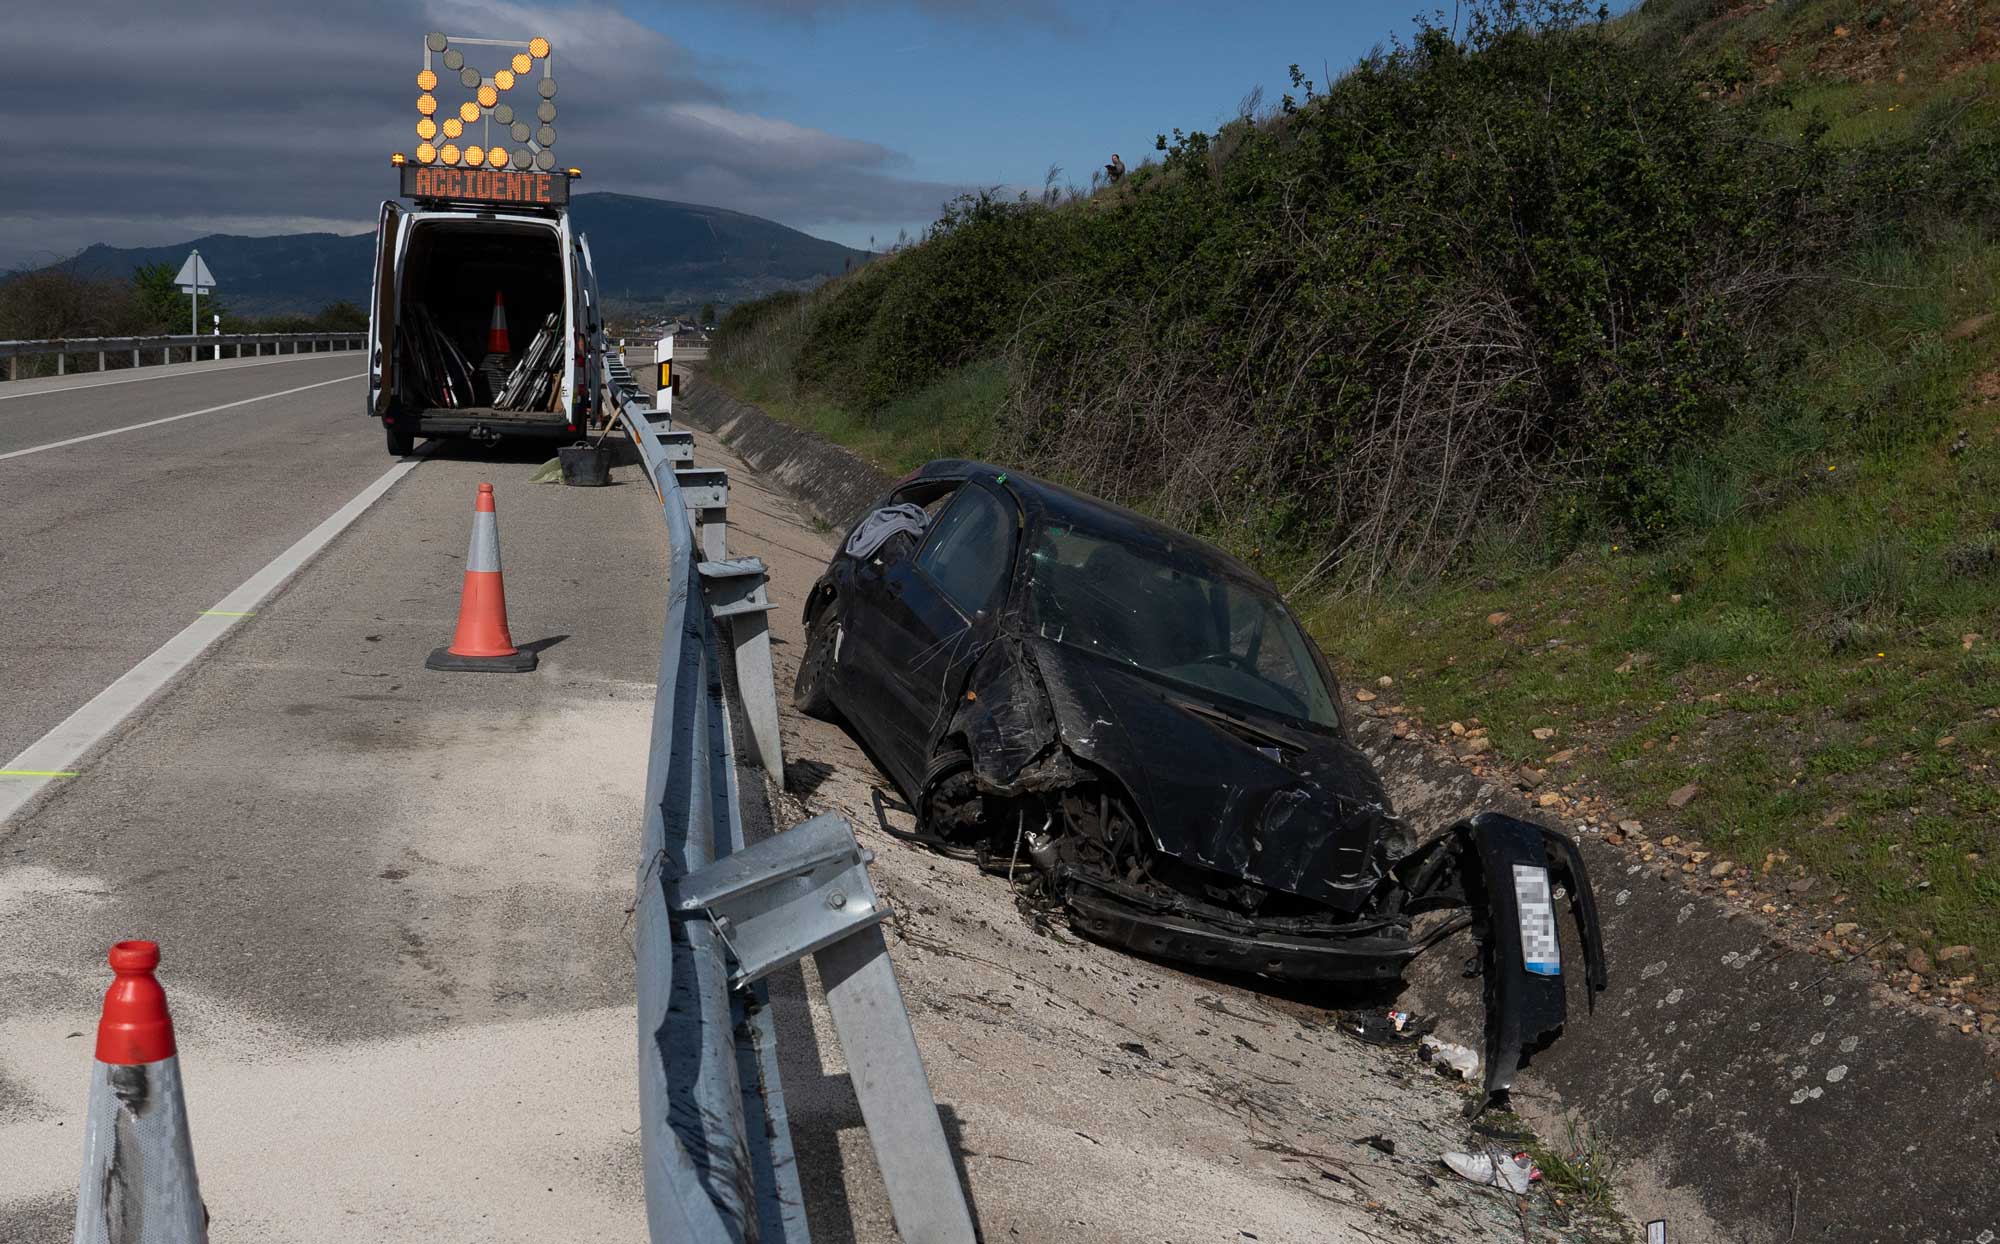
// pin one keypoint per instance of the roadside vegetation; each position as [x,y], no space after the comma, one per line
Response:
[53,302]
[1626,391]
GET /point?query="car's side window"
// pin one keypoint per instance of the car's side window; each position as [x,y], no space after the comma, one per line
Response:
[967,552]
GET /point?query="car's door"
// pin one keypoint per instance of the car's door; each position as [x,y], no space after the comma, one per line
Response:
[862,656]
[935,607]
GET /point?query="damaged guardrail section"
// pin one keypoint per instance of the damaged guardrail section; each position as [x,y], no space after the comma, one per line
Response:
[715,915]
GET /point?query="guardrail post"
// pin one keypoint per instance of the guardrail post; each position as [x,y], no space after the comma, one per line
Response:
[60,363]
[706,492]
[736,591]
[887,1071]
[100,360]
[807,891]
[135,356]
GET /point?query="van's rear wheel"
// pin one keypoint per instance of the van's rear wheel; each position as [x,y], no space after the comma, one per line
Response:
[401,442]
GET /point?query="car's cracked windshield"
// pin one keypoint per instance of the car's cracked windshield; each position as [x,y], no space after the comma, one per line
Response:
[1169,614]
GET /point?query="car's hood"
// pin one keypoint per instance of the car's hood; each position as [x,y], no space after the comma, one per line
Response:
[1219,786]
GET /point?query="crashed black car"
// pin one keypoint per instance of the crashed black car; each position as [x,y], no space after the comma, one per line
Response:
[1131,719]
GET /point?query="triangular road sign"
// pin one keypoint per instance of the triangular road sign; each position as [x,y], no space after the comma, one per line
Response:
[195,273]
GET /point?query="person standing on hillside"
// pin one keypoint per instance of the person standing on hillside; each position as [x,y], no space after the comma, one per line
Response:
[1116,168]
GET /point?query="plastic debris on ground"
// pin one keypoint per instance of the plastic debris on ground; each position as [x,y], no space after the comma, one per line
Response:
[1385,1027]
[1452,1055]
[1494,1170]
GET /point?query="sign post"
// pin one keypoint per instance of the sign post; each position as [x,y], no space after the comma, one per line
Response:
[663,392]
[195,277]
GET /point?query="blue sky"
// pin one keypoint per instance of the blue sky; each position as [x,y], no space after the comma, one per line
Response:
[976,94]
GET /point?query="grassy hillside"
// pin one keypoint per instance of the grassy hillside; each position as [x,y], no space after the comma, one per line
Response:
[1627,394]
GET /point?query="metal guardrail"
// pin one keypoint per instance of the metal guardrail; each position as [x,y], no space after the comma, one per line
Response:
[192,343]
[714,916]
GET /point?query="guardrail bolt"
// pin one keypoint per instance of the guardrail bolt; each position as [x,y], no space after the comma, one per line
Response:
[836,900]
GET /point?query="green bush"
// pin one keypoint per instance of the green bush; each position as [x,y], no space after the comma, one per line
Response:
[1527,275]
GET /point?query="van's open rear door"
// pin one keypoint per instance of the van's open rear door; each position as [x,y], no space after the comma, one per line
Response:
[382,313]
[592,325]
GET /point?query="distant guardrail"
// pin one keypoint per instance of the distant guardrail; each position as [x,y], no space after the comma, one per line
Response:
[192,345]
[713,916]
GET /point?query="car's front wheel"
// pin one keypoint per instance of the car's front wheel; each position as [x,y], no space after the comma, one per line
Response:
[810,690]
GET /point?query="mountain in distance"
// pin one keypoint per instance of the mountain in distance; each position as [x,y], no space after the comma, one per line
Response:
[648,253]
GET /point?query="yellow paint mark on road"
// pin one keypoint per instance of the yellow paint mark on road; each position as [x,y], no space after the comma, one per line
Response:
[38,772]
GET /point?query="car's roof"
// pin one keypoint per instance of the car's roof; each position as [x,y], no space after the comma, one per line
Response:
[1044,502]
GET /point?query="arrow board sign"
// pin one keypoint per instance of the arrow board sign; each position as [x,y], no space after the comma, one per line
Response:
[194,274]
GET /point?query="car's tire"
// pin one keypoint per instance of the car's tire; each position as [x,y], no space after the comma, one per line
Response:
[811,689]
[401,442]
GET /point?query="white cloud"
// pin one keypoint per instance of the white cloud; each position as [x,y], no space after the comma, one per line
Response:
[155,124]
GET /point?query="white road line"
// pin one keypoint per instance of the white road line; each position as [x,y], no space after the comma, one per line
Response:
[154,423]
[57,752]
[168,373]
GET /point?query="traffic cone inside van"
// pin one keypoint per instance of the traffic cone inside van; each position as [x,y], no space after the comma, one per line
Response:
[496,333]
[138,1163]
[481,641]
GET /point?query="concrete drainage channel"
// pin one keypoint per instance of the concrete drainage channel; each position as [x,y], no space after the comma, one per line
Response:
[1750,1091]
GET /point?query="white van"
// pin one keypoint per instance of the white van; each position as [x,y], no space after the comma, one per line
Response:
[476,249]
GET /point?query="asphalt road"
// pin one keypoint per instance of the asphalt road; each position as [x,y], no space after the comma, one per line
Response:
[391,901]
[110,546]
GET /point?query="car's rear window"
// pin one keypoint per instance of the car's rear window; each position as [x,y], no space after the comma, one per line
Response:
[967,552]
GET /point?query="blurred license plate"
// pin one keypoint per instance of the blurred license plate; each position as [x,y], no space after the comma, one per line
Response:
[1540,951]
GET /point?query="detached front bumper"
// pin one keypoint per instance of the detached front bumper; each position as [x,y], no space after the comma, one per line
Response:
[1507,873]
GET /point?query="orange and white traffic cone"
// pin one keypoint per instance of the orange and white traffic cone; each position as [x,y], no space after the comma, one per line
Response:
[138,1162]
[482,641]
[496,332]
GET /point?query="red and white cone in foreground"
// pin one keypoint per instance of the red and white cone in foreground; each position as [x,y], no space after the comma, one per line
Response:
[138,1163]
[482,641]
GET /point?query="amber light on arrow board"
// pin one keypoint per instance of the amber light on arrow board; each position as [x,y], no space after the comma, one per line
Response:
[538,47]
